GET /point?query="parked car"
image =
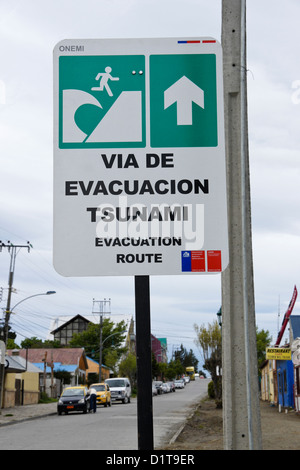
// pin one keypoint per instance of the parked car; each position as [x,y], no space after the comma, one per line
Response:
[172,386]
[154,390]
[73,399]
[186,379]
[166,388]
[158,384]
[120,389]
[103,394]
[179,383]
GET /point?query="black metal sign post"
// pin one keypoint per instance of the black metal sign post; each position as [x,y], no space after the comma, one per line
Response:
[144,361]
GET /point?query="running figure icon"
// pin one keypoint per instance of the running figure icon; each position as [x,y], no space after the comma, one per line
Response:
[104,77]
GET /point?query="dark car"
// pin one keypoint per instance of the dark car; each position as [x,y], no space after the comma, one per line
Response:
[73,399]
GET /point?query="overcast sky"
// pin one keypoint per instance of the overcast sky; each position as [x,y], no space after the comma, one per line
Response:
[29,30]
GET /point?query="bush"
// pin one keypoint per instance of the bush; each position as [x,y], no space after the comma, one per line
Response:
[45,399]
[211,393]
[211,390]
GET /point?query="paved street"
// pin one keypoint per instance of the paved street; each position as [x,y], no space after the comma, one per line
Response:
[113,428]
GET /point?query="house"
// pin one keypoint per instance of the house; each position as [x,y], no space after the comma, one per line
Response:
[285,383]
[63,328]
[268,381]
[93,371]
[48,361]
[22,379]
[66,329]
[281,378]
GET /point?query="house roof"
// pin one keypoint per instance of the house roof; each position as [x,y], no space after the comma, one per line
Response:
[58,322]
[13,365]
[89,359]
[69,321]
[28,366]
[17,363]
[65,356]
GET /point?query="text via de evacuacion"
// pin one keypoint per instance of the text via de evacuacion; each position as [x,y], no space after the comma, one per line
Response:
[117,187]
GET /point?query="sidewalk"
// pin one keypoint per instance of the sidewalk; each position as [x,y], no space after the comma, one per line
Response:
[23,413]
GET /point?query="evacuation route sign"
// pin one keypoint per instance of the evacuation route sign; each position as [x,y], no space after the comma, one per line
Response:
[139,157]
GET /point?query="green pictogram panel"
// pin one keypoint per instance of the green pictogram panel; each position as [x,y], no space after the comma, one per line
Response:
[102,101]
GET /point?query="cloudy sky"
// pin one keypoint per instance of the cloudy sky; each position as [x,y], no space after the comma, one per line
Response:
[29,30]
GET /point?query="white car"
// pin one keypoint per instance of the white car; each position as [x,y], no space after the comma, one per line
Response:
[154,390]
[120,389]
[179,383]
[166,388]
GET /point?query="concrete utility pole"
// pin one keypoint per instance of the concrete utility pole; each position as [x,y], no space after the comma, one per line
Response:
[241,410]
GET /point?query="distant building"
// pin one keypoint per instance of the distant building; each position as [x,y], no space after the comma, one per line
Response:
[164,349]
[65,331]
[159,348]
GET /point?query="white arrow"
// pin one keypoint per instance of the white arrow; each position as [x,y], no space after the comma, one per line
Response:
[184,92]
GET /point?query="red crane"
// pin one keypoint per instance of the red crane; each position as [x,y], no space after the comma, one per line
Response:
[286,316]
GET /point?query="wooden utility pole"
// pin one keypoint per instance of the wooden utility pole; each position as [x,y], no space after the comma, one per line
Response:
[102,311]
[13,253]
[241,412]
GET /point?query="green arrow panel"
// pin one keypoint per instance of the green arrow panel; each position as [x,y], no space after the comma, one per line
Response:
[183,100]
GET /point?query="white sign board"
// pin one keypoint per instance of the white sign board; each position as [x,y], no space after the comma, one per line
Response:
[139,157]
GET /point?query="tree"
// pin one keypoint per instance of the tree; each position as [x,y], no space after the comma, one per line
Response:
[111,359]
[112,339]
[11,344]
[209,342]
[37,343]
[263,340]
[174,369]
[63,375]
[186,358]
[155,368]
[127,368]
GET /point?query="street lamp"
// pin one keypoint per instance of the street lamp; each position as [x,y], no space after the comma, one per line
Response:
[8,312]
[101,349]
[49,292]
